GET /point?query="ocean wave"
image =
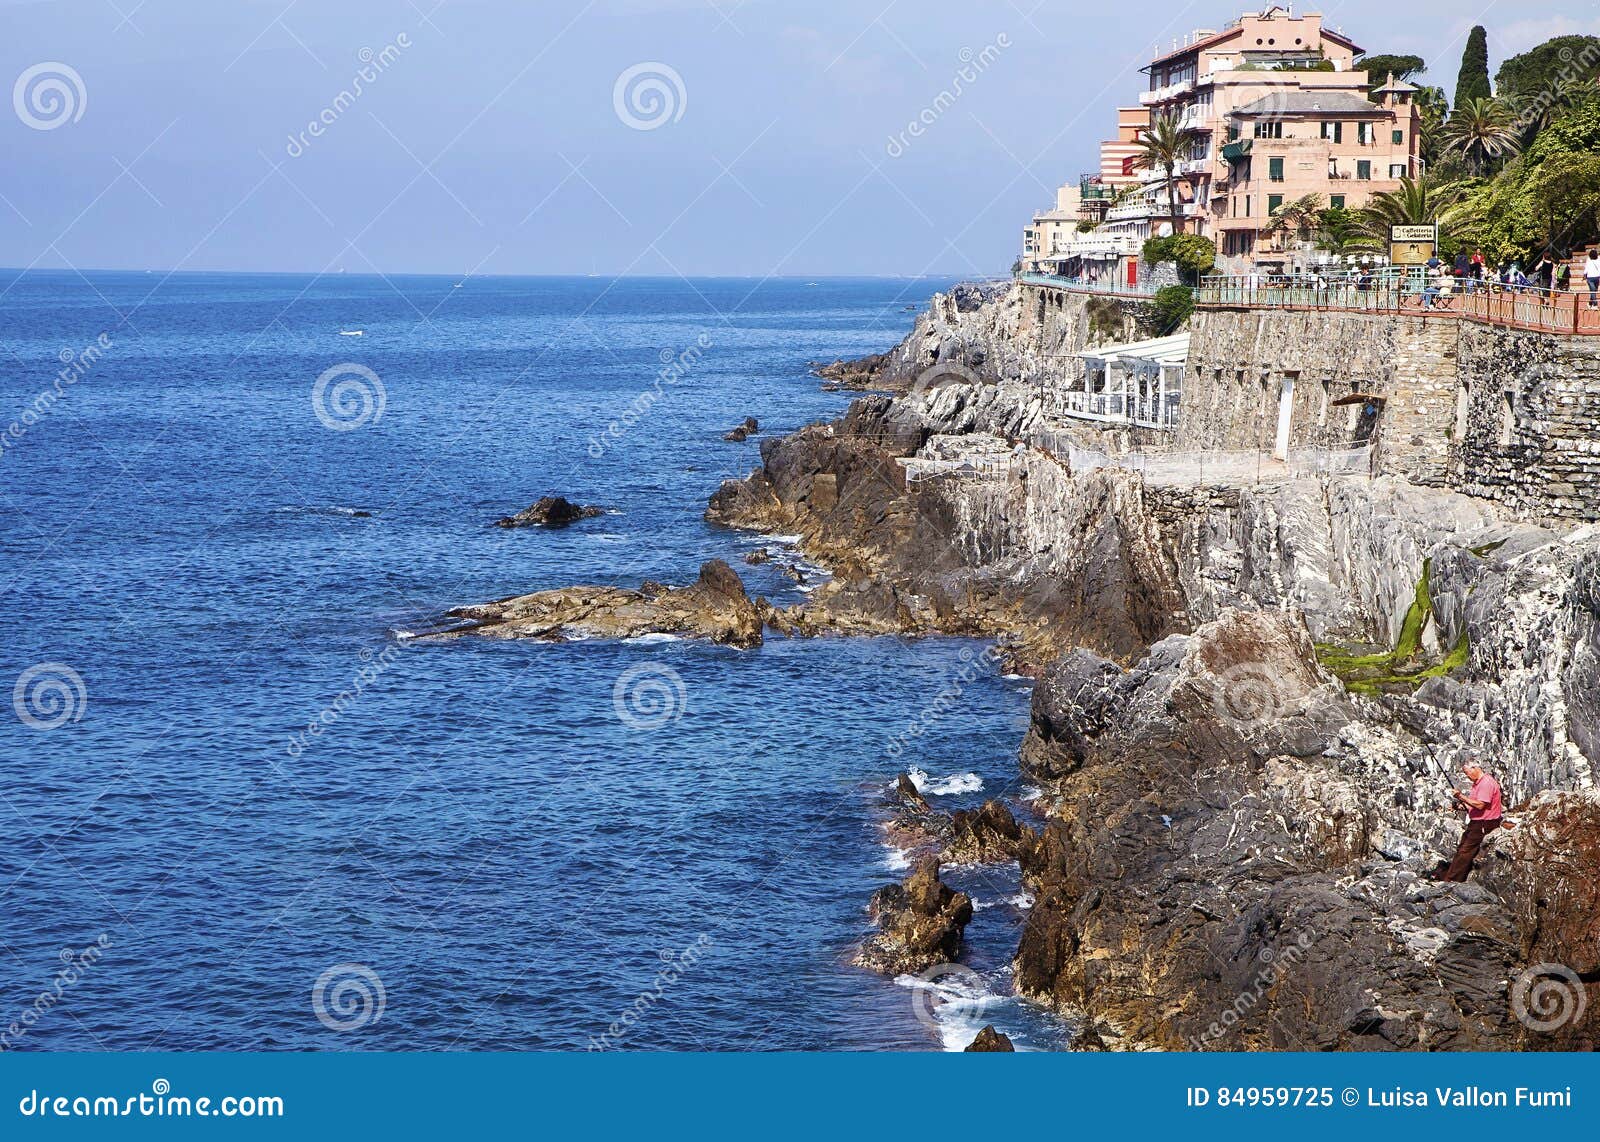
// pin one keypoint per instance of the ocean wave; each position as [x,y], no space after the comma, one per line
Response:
[896,859]
[945,786]
[1023,899]
[956,1002]
[652,639]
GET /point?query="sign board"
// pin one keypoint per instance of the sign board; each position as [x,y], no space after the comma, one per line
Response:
[1412,245]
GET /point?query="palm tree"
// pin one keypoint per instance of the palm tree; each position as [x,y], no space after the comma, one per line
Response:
[1533,113]
[1481,131]
[1163,146]
[1418,202]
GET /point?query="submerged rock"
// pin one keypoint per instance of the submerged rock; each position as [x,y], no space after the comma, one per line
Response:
[920,924]
[715,608]
[551,511]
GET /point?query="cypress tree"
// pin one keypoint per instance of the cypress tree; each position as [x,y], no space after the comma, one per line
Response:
[1473,82]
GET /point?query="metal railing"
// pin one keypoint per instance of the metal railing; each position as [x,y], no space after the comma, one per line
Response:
[1108,286]
[1525,307]
[1154,410]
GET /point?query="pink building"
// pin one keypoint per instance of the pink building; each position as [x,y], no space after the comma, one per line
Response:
[1279,111]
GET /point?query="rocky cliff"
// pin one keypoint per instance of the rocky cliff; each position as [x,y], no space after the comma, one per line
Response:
[1251,703]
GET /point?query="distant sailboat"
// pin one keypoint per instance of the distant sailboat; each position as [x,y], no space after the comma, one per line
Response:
[352,333]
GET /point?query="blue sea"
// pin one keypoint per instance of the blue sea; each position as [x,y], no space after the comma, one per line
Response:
[243,809]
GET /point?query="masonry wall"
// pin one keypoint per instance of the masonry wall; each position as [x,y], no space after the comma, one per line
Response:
[1239,360]
[1509,416]
[1527,430]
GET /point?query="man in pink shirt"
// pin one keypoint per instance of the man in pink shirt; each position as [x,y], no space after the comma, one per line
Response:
[1482,803]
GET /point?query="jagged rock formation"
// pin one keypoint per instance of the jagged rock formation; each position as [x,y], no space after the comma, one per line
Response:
[1237,832]
[920,924]
[991,1040]
[1237,838]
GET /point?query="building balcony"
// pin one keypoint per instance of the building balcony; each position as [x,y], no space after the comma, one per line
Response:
[1166,94]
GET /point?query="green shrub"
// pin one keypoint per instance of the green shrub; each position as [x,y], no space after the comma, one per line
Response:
[1174,305]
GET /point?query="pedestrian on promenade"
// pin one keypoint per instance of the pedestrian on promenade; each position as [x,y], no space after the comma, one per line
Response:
[1591,274]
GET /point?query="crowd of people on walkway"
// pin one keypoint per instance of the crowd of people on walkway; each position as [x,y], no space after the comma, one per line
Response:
[1549,276]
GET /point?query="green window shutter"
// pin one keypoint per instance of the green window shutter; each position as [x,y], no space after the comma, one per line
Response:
[1273,202]
[1399,138]
[1364,170]
[1336,201]
[1275,169]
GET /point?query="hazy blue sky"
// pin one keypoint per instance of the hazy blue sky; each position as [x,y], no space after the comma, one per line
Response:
[493,142]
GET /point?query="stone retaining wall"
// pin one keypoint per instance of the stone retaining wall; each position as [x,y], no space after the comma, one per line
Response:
[1508,416]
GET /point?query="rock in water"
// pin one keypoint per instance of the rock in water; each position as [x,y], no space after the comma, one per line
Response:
[715,608]
[920,924]
[991,1040]
[989,835]
[740,433]
[551,511]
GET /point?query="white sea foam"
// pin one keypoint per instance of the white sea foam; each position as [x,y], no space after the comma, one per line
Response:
[945,786]
[896,860]
[1031,793]
[957,1002]
[352,333]
[1023,899]
[652,639]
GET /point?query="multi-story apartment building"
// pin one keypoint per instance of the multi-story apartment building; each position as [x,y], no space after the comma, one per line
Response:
[1278,110]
